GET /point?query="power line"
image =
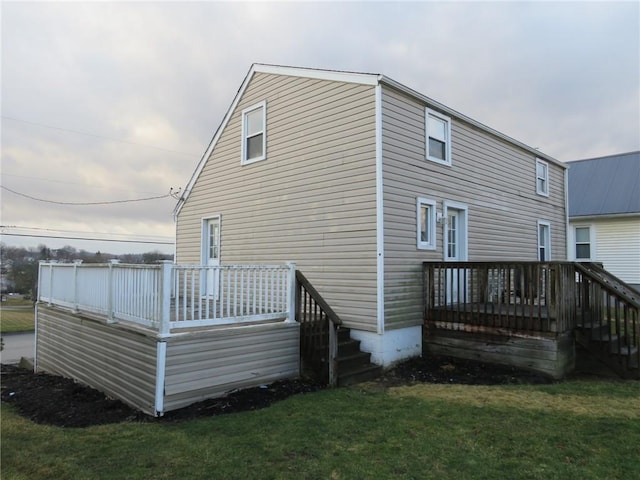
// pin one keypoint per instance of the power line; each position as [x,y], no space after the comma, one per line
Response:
[49,180]
[19,227]
[170,194]
[87,238]
[97,136]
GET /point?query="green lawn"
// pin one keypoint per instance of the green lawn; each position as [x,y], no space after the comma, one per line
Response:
[575,430]
[16,320]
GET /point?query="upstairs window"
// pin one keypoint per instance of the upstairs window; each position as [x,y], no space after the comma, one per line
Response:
[438,129]
[542,178]
[426,221]
[583,243]
[254,133]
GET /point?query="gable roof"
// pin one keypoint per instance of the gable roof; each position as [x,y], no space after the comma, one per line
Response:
[605,186]
[372,79]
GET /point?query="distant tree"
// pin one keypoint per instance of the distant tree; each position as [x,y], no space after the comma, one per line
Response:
[153,257]
[45,252]
[24,274]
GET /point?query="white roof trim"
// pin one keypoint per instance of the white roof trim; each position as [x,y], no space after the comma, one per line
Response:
[333,75]
[339,76]
[449,111]
[212,143]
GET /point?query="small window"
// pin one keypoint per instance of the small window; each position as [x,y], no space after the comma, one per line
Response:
[542,178]
[438,129]
[426,221]
[544,241]
[583,243]
[254,133]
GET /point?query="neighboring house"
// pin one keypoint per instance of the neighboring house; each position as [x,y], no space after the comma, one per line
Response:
[604,213]
[358,180]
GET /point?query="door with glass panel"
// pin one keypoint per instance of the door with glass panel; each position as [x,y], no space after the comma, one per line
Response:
[211,251]
[456,251]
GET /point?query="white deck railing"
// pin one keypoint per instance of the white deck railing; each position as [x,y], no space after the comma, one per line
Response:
[168,296]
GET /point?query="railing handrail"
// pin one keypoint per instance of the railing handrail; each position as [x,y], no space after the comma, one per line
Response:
[166,296]
[331,314]
[604,285]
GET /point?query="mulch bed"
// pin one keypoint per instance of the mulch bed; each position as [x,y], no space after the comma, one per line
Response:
[54,400]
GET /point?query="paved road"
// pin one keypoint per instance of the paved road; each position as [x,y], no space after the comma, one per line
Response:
[16,346]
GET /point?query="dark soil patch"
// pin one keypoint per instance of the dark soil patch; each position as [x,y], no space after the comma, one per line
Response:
[55,400]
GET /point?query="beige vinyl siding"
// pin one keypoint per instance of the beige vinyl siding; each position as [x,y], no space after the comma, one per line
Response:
[493,178]
[117,361]
[616,245]
[210,364]
[312,201]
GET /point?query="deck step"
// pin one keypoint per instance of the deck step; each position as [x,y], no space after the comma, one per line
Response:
[353,360]
[354,365]
[360,374]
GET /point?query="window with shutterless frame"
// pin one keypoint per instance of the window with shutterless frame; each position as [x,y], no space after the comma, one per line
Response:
[542,178]
[438,137]
[254,133]
[583,242]
[426,223]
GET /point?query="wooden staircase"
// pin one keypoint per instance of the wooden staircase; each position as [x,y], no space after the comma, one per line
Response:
[607,319]
[326,347]
[353,365]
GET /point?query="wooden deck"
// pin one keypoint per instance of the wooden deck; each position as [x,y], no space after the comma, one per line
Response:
[527,314]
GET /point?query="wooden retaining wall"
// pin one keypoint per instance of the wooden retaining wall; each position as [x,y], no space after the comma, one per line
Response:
[550,354]
[134,365]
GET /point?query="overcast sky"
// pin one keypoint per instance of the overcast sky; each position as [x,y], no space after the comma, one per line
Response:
[114,101]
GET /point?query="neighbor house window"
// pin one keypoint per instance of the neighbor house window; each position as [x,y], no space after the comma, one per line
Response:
[542,178]
[583,243]
[254,133]
[544,241]
[426,222]
[438,128]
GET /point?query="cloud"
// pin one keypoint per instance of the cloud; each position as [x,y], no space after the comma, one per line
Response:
[160,76]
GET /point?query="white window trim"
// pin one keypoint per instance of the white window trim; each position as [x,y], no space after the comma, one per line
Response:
[592,243]
[431,243]
[447,120]
[243,159]
[548,253]
[545,192]
[463,246]
[204,237]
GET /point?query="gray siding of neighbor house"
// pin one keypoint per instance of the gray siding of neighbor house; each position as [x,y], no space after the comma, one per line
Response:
[495,179]
[311,201]
[208,364]
[117,361]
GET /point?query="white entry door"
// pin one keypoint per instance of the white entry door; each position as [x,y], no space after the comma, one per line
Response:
[455,250]
[211,254]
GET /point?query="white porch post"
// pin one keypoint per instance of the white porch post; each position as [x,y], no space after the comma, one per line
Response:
[165,296]
[291,292]
[111,291]
[50,283]
[75,285]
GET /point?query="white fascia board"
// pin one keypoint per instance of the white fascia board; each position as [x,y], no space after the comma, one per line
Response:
[379,215]
[332,75]
[214,141]
[451,112]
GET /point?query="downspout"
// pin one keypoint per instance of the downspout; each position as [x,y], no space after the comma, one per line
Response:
[379,214]
[566,214]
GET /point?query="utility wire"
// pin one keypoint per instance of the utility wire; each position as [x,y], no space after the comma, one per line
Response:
[85,238]
[85,185]
[57,230]
[170,194]
[98,136]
